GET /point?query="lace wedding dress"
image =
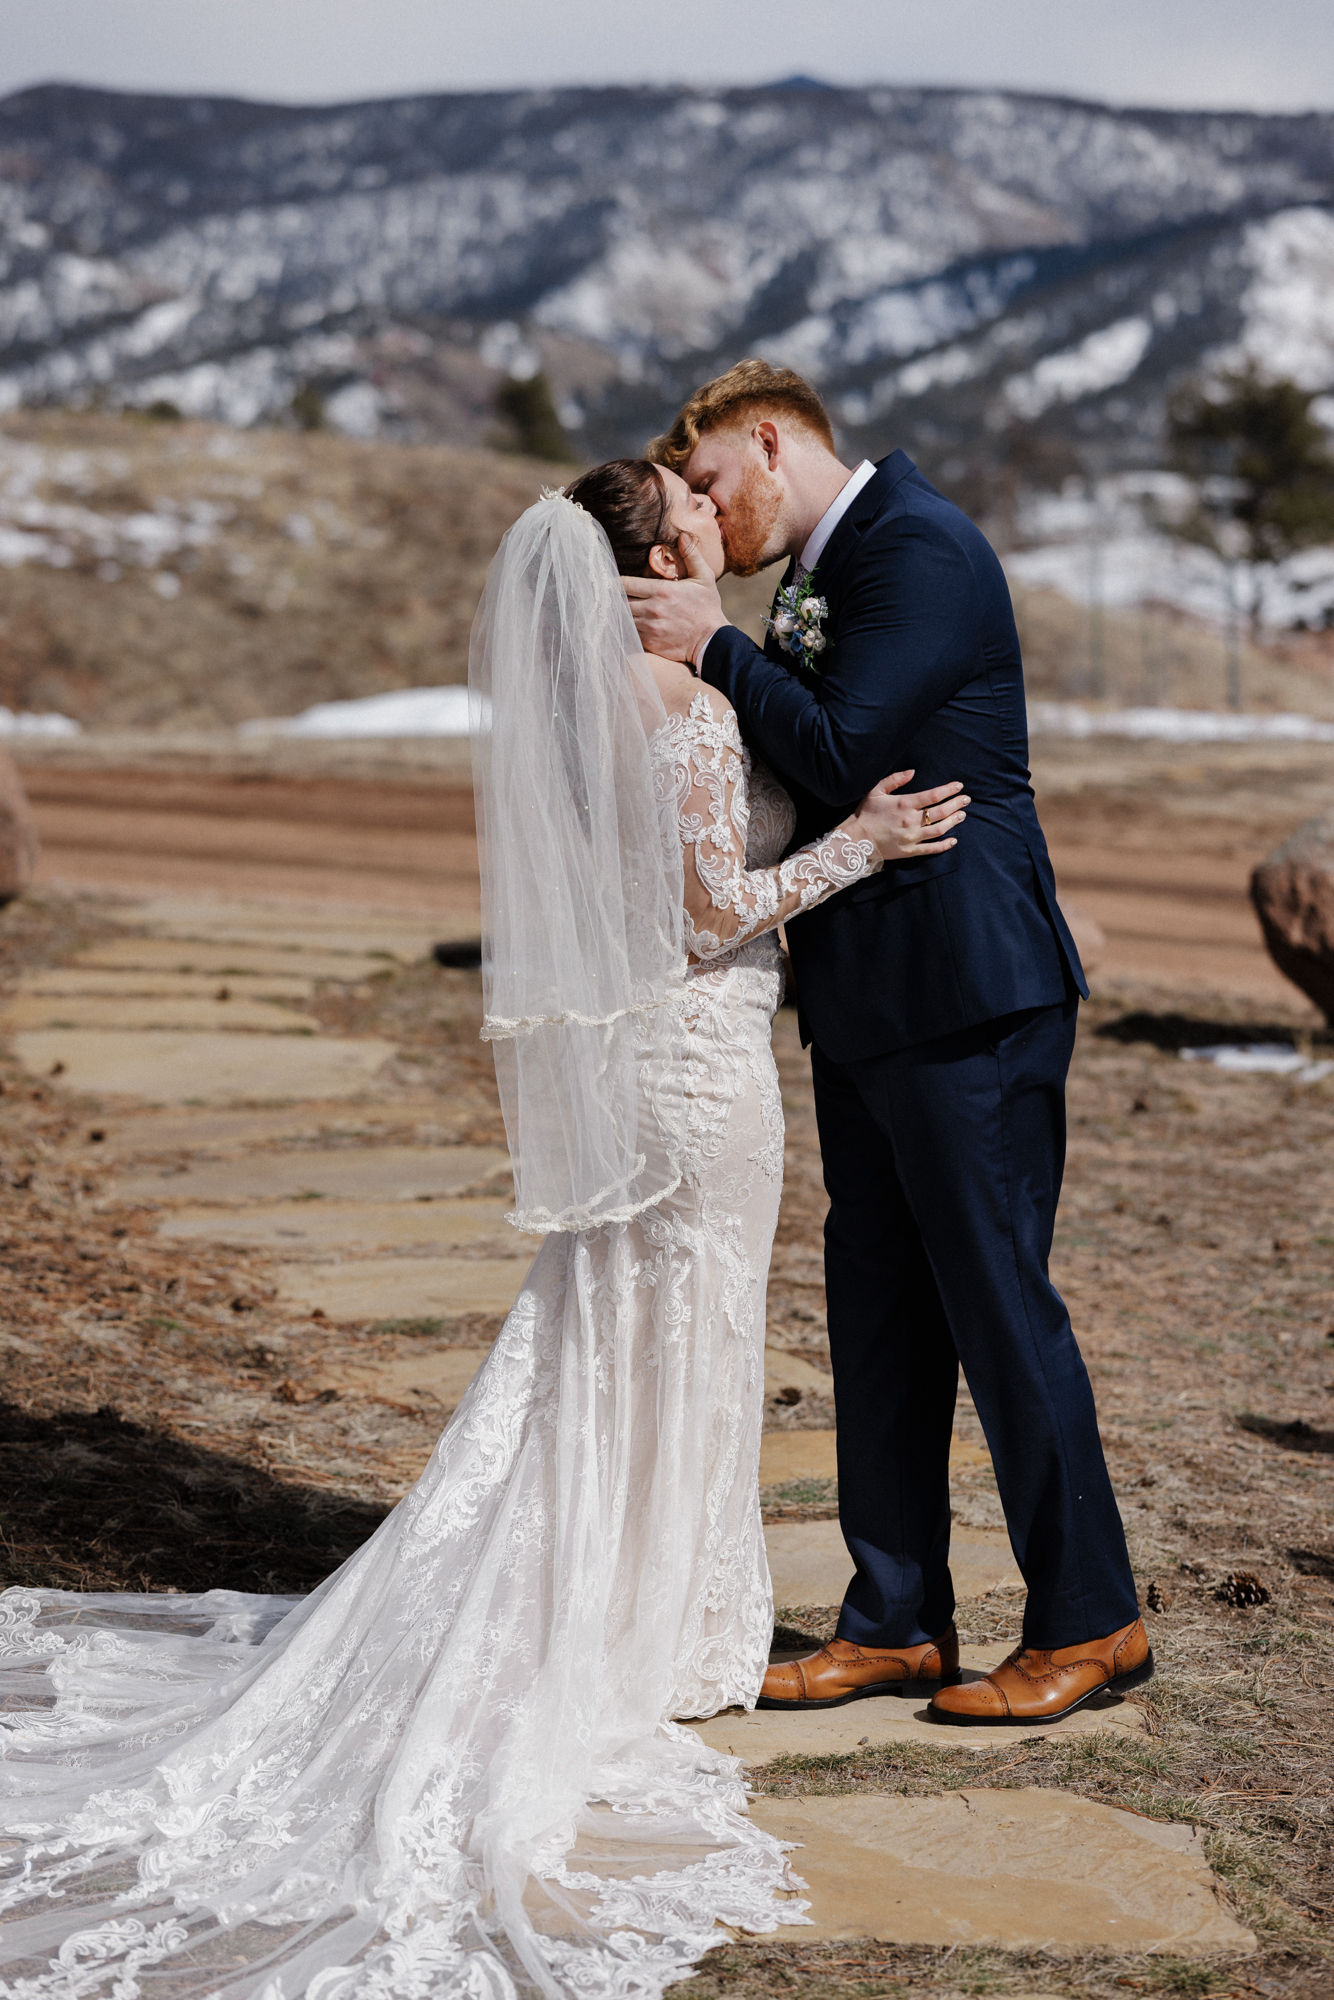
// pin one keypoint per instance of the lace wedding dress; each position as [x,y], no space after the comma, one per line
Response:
[455,1769]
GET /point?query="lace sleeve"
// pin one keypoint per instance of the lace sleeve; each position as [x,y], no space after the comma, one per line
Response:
[726,902]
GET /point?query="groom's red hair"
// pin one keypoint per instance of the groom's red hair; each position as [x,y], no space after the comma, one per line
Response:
[746,393]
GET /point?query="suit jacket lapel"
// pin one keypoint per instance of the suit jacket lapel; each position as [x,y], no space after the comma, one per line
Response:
[842,544]
[772,650]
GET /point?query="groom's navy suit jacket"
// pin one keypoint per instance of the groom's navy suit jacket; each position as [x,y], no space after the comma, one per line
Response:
[922,669]
[940,996]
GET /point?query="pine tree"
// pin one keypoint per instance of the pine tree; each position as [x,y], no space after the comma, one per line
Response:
[528,406]
[1260,462]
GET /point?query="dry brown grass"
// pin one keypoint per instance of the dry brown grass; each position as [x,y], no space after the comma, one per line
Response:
[339,569]
[1156,657]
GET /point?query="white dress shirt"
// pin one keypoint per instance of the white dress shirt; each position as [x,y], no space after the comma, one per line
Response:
[831,517]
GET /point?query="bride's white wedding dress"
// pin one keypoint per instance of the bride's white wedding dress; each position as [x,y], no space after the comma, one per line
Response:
[454,1769]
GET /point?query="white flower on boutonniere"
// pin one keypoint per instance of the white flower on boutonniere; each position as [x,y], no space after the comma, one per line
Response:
[795,622]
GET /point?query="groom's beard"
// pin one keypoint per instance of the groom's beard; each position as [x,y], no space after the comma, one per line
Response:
[752,516]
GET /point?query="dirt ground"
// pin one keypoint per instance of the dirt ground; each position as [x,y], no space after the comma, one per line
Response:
[1155,842]
[162,1425]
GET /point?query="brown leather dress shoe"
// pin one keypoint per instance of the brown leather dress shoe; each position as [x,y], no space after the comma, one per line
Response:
[1042,1685]
[842,1672]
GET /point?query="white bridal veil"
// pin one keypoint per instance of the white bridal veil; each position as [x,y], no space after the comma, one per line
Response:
[581,880]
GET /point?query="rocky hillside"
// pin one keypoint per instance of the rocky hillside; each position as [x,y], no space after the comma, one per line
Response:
[187,576]
[182,576]
[951,266]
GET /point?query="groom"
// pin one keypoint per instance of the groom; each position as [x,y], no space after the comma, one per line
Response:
[939,1001]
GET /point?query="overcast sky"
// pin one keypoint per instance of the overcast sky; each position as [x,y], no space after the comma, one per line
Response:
[1276,56]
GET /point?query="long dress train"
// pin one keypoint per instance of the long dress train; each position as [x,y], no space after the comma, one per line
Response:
[455,1768]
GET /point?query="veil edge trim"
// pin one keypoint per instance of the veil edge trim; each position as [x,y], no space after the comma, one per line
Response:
[540,1221]
[501,1028]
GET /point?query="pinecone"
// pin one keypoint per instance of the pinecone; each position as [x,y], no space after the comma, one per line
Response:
[1242,1588]
[1157,1598]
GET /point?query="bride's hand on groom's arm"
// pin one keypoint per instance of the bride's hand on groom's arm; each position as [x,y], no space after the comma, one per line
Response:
[677,619]
[906,825]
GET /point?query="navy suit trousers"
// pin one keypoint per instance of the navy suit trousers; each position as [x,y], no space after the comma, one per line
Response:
[943,1164]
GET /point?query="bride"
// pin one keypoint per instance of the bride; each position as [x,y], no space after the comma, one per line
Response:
[456,1770]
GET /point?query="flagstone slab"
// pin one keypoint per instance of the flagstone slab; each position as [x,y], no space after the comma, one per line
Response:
[84,1010]
[354,1173]
[440,1377]
[210,1129]
[360,1288]
[1024,1870]
[793,1371]
[188,1068]
[810,1564]
[159,954]
[351,1225]
[385,949]
[107,982]
[767,1733]
[338,927]
[790,1455]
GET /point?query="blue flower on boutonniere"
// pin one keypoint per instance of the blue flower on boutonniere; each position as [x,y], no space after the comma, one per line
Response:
[795,622]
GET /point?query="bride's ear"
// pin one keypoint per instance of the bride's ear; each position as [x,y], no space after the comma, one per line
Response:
[664,562]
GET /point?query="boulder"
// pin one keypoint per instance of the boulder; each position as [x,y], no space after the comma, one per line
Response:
[1293,894]
[1088,934]
[18,833]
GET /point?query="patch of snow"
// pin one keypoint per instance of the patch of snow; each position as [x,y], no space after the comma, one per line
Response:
[158,327]
[1175,725]
[25,724]
[942,370]
[430,711]
[18,547]
[251,385]
[504,347]
[1262,1058]
[900,323]
[355,410]
[1100,361]
[1288,307]
[646,297]
[56,532]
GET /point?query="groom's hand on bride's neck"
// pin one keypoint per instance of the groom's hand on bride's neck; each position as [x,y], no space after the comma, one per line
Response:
[677,619]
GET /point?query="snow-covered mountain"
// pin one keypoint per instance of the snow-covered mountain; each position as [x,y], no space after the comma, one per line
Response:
[950,266]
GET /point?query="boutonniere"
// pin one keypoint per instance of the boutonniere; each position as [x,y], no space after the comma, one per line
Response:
[796,622]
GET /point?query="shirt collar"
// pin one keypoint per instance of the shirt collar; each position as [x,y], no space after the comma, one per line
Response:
[832,515]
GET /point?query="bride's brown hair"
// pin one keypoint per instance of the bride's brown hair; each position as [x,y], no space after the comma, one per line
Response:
[628,499]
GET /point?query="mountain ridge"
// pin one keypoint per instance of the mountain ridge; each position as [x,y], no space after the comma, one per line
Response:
[977,274]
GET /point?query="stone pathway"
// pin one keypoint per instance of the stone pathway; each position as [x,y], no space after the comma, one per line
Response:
[191,1068]
[1025,1868]
[231,1112]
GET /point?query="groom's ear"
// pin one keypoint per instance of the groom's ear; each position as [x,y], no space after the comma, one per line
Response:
[765,435]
